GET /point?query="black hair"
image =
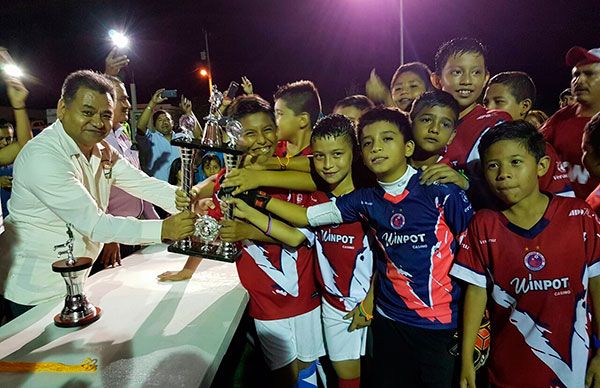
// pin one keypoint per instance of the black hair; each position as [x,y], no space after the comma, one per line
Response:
[434,98]
[207,158]
[300,97]
[246,105]
[391,115]
[175,168]
[592,130]
[357,101]
[457,46]
[419,68]
[520,131]
[520,84]
[87,79]
[339,126]
[156,114]
[565,93]
[5,124]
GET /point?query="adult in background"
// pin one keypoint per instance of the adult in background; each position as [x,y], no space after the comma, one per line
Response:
[63,176]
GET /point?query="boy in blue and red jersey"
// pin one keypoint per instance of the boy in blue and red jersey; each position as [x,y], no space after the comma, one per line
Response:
[538,283]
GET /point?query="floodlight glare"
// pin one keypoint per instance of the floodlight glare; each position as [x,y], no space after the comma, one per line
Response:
[118,38]
[203,72]
[13,70]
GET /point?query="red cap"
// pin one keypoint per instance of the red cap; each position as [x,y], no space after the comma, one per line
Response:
[578,56]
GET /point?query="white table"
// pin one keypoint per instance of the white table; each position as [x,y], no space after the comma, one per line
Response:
[150,333]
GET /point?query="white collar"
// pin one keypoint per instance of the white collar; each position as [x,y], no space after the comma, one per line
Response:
[397,187]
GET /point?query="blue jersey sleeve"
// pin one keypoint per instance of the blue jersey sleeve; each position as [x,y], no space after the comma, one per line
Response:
[458,210]
[353,205]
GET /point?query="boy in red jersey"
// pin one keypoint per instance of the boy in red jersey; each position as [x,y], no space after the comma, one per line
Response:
[538,283]
[564,130]
[514,93]
[344,251]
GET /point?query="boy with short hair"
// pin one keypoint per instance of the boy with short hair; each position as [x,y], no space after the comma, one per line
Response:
[591,158]
[460,69]
[353,107]
[538,282]
[514,93]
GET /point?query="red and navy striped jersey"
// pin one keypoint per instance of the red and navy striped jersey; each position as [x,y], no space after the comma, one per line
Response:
[538,279]
[345,261]
[418,232]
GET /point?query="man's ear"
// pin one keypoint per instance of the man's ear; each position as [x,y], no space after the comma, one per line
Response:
[543,165]
[435,80]
[525,107]
[60,109]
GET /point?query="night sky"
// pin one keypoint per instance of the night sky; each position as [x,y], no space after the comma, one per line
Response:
[334,43]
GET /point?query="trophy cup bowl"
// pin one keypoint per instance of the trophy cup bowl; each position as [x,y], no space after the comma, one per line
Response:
[77,311]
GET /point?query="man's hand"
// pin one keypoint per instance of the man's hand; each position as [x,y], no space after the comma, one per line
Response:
[243,179]
[247,86]
[178,226]
[6,182]
[358,320]
[17,93]
[110,255]
[592,376]
[175,276]
[376,89]
[233,231]
[442,173]
[186,106]
[115,62]
[467,376]
[157,98]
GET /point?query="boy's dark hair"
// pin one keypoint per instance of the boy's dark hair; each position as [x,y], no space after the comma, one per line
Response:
[391,115]
[565,93]
[6,124]
[457,46]
[301,96]
[357,101]
[246,105]
[87,79]
[434,98]
[520,131]
[592,130]
[175,168]
[206,159]
[156,114]
[420,69]
[520,84]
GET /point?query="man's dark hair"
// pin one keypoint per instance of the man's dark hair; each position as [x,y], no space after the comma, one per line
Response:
[520,84]
[87,79]
[156,114]
[4,124]
[357,101]
[457,46]
[420,69]
[565,93]
[301,96]
[520,131]
[592,130]
[434,98]
[246,105]
[391,115]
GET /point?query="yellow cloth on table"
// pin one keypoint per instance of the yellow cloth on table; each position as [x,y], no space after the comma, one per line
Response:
[88,365]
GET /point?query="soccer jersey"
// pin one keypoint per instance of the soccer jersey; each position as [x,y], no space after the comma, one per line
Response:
[556,180]
[279,279]
[345,261]
[418,231]
[281,150]
[564,130]
[539,282]
[594,200]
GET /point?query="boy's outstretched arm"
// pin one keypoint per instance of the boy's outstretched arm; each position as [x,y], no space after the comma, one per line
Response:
[244,179]
[592,376]
[473,310]
[185,273]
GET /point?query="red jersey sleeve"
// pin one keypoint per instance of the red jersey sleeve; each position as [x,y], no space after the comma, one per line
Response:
[556,180]
[472,260]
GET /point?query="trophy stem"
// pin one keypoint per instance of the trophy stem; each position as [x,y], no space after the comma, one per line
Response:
[187,180]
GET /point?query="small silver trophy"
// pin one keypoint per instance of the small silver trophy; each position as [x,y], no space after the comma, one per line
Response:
[188,155]
[215,138]
[77,310]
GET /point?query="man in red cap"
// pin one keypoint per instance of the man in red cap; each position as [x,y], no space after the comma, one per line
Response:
[564,129]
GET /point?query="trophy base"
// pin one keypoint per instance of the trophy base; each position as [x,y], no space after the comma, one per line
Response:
[82,263]
[93,316]
[212,252]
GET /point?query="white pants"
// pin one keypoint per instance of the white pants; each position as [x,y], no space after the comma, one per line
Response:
[341,344]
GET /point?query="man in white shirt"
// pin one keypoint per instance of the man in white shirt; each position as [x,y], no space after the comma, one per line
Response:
[63,176]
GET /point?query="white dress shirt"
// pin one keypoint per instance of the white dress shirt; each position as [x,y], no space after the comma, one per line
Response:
[55,184]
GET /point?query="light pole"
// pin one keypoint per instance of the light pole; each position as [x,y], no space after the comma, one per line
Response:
[401,32]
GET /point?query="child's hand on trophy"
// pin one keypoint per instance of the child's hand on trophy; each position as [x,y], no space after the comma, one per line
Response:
[235,230]
[241,210]
[242,179]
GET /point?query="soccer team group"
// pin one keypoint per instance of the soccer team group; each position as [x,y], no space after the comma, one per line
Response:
[420,220]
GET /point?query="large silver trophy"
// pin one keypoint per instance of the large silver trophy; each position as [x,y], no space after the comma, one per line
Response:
[78,311]
[219,135]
